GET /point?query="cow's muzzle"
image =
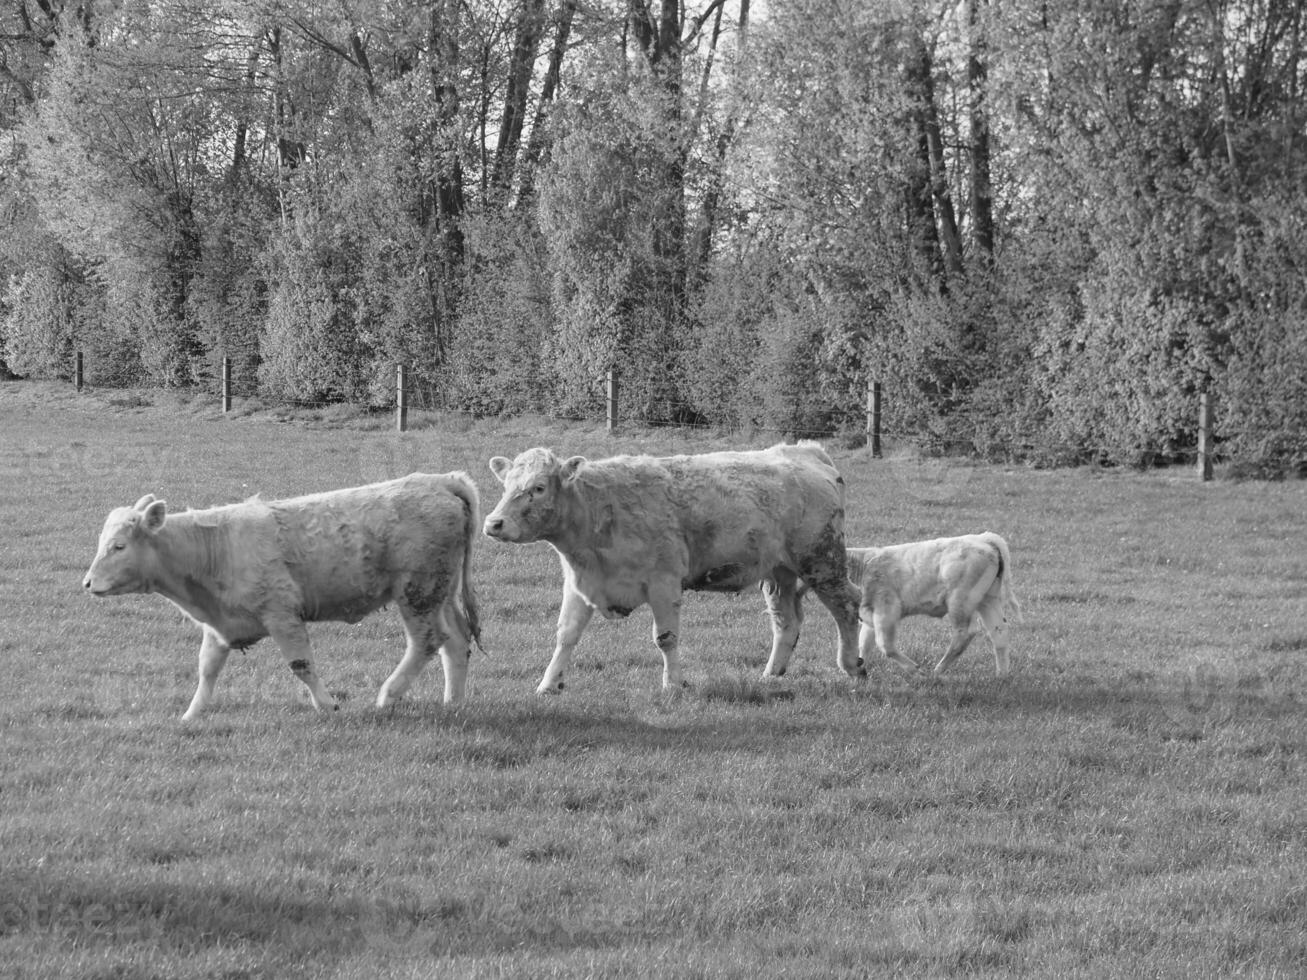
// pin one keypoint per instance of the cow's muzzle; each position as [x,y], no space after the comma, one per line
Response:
[100,590]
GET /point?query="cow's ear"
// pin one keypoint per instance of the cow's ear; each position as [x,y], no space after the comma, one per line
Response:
[568,470]
[143,502]
[499,466]
[154,515]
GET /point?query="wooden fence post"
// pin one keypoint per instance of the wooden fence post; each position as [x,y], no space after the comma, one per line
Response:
[873,418]
[612,399]
[226,383]
[401,398]
[1204,437]
[77,371]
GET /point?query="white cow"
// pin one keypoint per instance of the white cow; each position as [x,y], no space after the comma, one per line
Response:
[967,578]
[637,529]
[256,569]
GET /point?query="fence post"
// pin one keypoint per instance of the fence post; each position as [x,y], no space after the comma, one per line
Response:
[873,418]
[1204,437]
[401,398]
[612,399]
[226,383]
[77,371]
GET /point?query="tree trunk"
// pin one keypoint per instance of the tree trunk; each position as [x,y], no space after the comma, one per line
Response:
[448,192]
[530,27]
[982,195]
[701,247]
[536,142]
[928,120]
[660,42]
[919,198]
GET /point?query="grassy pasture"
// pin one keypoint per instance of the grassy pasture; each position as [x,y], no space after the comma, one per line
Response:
[1130,803]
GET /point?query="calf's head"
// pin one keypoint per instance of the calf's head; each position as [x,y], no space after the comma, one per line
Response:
[126,557]
[536,485]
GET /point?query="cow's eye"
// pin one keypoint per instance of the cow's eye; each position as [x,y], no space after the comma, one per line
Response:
[538,490]
[117,546]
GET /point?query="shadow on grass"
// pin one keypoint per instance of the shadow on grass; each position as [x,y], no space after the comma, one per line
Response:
[286,923]
[1180,706]
[743,714]
[506,735]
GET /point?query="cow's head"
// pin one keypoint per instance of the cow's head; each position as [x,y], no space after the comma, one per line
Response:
[126,558]
[535,486]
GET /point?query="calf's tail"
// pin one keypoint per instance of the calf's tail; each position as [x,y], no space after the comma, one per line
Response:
[1004,573]
[463,487]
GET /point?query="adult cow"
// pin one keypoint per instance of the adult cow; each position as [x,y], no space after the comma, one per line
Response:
[637,529]
[256,569]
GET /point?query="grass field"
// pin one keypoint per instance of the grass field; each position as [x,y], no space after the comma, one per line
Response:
[1130,803]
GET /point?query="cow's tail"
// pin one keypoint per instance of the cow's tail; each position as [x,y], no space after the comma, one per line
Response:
[463,487]
[1004,573]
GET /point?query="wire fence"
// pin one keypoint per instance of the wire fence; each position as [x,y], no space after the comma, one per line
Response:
[872,433]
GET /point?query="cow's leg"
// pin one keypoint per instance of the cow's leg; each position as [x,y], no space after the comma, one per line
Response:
[993,616]
[829,581]
[573,616]
[964,630]
[292,637]
[425,635]
[213,654]
[785,608]
[666,607]
[885,622]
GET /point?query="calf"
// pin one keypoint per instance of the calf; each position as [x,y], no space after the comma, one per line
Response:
[967,579]
[637,529]
[256,569]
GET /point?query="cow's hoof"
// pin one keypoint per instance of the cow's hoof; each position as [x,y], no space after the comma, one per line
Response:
[555,689]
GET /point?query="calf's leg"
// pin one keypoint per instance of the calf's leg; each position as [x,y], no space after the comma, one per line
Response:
[455,652]
[425,635]
[994,617]
[573,617]
[213,654]
[786,611]
[885,622]
[963,633]
[292,636]
[665,604]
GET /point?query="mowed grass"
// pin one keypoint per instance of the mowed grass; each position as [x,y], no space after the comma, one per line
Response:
[1130,802]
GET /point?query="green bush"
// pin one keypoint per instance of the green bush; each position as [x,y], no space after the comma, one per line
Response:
[38,327]
[310,351]
[499,363]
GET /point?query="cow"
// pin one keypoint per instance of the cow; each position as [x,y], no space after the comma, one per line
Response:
[967,579]
[266,568]
[631,530]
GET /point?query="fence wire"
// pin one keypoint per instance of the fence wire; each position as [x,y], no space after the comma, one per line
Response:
[236,378]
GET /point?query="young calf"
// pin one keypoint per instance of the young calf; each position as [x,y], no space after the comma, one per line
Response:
[967,579]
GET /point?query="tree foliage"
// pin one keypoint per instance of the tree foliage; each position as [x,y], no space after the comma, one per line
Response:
[1046,227]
